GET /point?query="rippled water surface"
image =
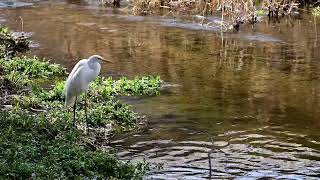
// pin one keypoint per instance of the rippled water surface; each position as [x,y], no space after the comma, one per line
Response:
[250,98]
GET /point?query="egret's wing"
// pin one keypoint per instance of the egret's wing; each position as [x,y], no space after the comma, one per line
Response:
[70,89]
[76,67]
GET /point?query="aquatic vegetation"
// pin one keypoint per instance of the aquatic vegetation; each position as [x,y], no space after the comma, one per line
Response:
[4,31]
[20,80]
[316,11]
[103,107]
[27,101]
[20,72]
[114,112]
[145,85]
[10,44]
[57,93]
[261,12]
[32,67]
[106,88]
[35,147]
[40,146]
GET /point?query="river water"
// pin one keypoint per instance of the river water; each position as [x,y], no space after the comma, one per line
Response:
[250,98]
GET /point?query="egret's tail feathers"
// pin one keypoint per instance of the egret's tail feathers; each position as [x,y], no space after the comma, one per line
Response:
[70,101]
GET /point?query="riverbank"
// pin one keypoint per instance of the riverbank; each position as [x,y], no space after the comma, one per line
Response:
[232,13]
[37,137]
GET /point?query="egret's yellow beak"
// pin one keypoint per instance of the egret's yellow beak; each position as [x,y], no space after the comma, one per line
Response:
[105,60]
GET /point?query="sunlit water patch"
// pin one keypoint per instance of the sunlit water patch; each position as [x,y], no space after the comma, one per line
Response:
[262,38]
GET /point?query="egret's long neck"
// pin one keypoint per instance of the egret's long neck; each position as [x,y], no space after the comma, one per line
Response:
[95,66]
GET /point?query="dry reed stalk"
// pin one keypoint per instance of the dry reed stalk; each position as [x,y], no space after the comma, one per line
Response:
[276,8]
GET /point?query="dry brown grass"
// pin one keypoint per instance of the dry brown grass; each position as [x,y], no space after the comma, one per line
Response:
[233,12]
[144,7]
[280,7]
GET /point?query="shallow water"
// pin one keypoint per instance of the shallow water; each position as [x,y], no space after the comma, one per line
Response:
[251,97]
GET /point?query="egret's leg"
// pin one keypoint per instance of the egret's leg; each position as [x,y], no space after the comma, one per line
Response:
[85,109]
[74,112]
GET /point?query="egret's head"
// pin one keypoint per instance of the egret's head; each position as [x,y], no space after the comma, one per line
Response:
[97,58]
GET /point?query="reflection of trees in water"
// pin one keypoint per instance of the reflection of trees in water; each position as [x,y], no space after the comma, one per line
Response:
[264,76]
[246,77]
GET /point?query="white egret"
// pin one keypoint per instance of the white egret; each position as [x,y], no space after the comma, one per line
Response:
[78,82]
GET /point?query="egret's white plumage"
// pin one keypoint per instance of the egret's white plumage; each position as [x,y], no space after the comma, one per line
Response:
[83,73]
[78,82]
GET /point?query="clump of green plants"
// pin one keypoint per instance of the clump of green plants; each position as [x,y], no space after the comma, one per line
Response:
[45,146]
[20,80]
[19,74]
[316,11]
[106,88]
[32,67]
[261,12]
[113,112]
[11,45]
[34,147]
[103,107]
[145,85]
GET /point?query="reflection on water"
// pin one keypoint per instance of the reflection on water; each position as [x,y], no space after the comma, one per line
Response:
[14,3]
[254,93]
